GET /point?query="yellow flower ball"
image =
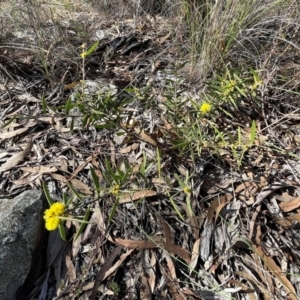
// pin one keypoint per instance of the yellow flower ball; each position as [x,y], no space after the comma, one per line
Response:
[115,189]
[48,213]
[205,108]
[58,208]
[52,223]
[52,215]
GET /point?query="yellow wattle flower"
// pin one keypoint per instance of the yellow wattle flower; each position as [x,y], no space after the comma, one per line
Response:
[205,108]
[58,208]
[52,215]
[52,223]
[48,214]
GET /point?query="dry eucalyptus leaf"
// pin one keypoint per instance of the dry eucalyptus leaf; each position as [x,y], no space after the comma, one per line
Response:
[17,158]
[290,205]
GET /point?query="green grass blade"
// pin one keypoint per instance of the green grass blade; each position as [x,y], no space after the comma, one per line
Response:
[176,208]
[9,121]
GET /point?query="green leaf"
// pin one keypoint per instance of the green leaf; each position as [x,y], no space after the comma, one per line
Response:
[105,126]
[74,219]
[68,202]
[83,224]
[113,210]
[69,105]
[189,205]
[241,91]
[230,137]
[158,158]
[253,132]
[79,196]
[44,104]
[90,50]
[95,180]
[9,121]
[143,164]
[62,231]
[180,144]
[111,172]
[239,136]
[46,192]
[176,208]
[181,183]
[72,125]
[65,200]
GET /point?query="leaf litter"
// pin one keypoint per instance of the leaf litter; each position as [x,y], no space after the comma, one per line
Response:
[241,240]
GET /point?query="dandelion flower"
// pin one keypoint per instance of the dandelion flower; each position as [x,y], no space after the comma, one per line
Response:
[205,108]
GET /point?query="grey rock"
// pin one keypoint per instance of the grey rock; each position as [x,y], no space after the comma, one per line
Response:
[21,229]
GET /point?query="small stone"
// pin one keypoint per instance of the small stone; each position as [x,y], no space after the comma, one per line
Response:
[21,229]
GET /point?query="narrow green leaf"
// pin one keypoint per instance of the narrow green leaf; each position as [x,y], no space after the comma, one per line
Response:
[230,137]
[62,231]
[68,105]
[65,200]
[239,136]
[189,205]
[72,125]
[46,192]
[80,197]
[253,132]
[95,180]
[181,183]
[143,164]
[111,172]
[75,219]
[176,208]
[68,202]
[9,121]
[83,224]
[241,91]
[181,145]
[158,158]
[90,50]
[44,104]
[113,210]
